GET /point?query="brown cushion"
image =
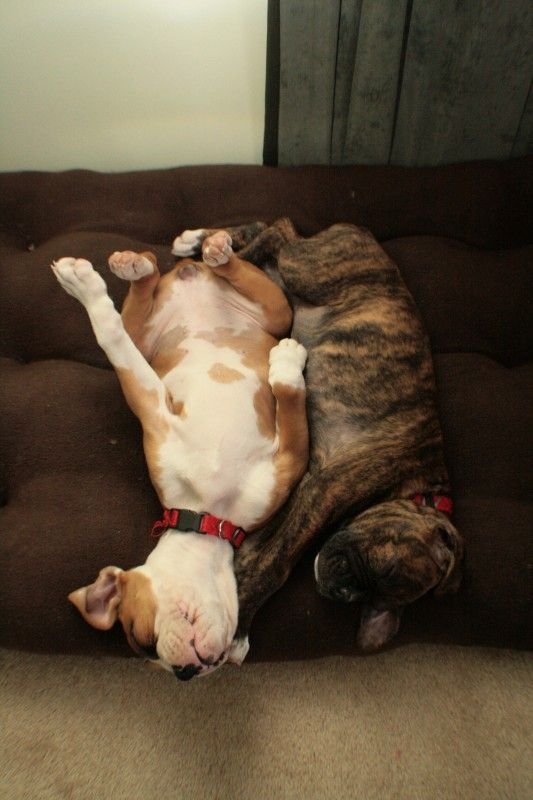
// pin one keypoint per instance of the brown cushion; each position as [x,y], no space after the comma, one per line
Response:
[71,462]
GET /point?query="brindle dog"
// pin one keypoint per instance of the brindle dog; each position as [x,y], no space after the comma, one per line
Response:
[376,441]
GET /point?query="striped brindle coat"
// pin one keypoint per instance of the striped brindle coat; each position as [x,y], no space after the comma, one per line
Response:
[376,440]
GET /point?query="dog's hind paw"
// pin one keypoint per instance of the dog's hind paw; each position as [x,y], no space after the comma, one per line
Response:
[189,243]
[216,249]
[130,266]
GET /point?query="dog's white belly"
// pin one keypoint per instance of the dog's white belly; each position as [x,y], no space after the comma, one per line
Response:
[225,469]
[213,456]
[201,304]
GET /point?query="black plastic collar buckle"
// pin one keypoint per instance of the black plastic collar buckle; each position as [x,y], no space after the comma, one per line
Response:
[189,521]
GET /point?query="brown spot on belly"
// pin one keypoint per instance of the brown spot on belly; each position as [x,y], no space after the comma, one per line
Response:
[265,409]
[252,346]
[167,358]
[222,374]
[178,408]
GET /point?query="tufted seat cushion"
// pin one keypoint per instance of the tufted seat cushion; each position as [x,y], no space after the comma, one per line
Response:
[73,483]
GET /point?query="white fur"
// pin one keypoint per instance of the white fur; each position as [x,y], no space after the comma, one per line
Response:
[238,650]
[80,279]
[287,360]
[217,439]
[188,243]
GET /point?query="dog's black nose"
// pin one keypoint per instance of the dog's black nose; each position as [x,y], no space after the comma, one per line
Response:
[186,673]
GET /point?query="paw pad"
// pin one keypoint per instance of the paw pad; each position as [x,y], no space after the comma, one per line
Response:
[79,279]
[287,361]
[216,249]
[130,266]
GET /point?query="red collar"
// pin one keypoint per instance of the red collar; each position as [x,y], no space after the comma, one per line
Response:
[183,520]
[440,502]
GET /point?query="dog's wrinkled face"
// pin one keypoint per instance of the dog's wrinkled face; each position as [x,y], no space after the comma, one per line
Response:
[386,558]
[165,618]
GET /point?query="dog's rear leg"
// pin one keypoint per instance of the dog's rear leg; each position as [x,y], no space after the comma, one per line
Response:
[250,281]
[143,389]
[287,361]
[189,243]
[141,270]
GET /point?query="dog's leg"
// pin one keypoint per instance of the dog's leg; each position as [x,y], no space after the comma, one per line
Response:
[189,243]
[141,270]
[143,390]
[258,577]
[263,249]
[250,281]
[287,361]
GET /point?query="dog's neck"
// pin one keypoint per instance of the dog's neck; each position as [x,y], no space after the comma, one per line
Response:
[181,552]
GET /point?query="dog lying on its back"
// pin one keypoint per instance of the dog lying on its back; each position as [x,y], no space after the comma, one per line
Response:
[222,407]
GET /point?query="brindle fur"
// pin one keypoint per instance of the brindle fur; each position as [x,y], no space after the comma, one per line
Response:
[375,435]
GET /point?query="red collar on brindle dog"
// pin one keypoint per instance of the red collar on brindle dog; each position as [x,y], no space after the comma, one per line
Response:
[440,502]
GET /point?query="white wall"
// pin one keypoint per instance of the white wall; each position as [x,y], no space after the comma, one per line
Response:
[131,84]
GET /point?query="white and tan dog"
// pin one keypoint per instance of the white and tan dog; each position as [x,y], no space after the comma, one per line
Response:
[222,407]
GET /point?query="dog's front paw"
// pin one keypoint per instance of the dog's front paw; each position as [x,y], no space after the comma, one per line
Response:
[188,243]
[287,361]
[130,266]
[238,651]
[78,278]
[216,249]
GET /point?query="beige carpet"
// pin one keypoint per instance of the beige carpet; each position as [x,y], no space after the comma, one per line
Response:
[421,722]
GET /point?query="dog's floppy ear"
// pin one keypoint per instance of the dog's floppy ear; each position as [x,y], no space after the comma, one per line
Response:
[447,549]
[377,627]
[98,603]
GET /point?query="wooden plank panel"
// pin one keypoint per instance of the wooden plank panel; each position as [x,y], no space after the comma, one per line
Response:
[308,45]
[374,85]
[523,144]
[349,17]
[466,80]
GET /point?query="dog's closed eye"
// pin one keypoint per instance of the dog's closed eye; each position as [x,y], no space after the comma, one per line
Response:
[149,652]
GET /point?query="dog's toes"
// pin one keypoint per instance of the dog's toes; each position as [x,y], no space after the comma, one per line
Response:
[130,266]
[287,361]
[78,278]
[216,249]
[188,243]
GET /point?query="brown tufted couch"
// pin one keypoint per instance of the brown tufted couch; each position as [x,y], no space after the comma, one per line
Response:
[74,490]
